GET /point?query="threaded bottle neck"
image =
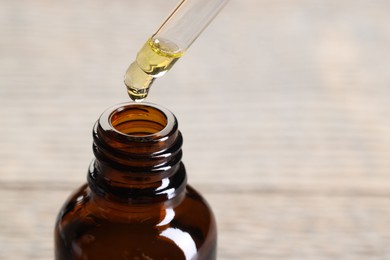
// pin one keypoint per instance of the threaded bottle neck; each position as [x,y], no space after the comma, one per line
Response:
[138,152]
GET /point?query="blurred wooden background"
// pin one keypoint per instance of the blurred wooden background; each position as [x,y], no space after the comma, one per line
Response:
[284,108]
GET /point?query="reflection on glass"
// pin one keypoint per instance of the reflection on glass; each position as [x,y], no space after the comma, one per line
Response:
[182,239]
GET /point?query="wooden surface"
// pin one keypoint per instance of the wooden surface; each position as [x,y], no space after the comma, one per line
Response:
[284,108]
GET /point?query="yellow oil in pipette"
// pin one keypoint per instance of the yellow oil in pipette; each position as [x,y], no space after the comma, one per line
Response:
[154,59]
[169,43]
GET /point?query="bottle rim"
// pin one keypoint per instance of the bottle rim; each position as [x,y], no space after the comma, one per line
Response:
[113,118]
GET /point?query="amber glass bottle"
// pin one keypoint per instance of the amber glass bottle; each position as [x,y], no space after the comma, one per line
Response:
[136,204]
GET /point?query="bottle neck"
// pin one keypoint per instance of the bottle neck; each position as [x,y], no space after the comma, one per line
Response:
[138,154]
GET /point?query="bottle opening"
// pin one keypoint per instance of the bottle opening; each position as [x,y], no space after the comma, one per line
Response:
[138,120]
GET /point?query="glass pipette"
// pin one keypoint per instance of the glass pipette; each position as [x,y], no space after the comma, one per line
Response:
[169,43]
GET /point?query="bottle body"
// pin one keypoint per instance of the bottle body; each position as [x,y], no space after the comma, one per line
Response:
[183,231]
[137,208]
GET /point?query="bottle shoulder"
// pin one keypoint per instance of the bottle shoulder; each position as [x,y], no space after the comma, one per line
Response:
[188,206]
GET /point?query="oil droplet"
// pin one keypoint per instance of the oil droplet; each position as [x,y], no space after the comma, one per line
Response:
[137,82]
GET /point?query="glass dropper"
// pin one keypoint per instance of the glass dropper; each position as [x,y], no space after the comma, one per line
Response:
[169,43]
